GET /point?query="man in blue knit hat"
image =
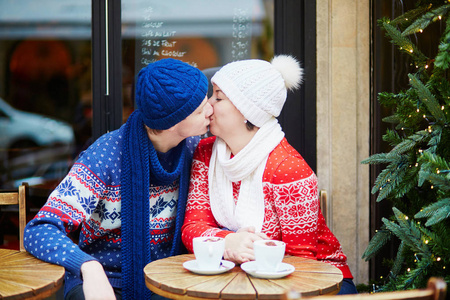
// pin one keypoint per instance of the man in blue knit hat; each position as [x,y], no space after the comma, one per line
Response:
[127,192]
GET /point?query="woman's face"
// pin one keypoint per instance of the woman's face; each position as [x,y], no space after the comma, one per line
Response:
[226,119]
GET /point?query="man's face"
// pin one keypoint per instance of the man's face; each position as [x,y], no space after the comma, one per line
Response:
[197,122]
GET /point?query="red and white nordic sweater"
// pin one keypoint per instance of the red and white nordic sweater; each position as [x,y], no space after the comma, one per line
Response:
[292,212]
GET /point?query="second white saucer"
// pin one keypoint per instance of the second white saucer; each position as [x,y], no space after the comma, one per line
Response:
[283,270]
[192,266]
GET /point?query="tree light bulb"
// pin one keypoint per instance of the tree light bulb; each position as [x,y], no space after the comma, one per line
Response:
[442,107]
[420,30]
[417,110]
[411,50]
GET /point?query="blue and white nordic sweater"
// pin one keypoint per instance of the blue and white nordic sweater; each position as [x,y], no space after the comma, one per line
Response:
[89,197]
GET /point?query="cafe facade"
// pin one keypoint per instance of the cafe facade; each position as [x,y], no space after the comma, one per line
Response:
[68,68]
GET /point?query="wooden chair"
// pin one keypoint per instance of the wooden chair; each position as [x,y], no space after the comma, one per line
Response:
[325,207]
[436,290]
[17,198]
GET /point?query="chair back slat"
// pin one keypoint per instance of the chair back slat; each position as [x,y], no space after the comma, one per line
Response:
[436,290]
[9,198]
[17,198]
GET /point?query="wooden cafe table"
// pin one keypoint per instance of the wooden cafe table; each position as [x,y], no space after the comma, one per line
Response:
[167,277]
[22,276]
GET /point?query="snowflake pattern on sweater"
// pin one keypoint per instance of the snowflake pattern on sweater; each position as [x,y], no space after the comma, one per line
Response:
[292,211]
[88,200]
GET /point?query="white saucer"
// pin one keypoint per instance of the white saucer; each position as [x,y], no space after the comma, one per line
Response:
[192,266]
[284,270]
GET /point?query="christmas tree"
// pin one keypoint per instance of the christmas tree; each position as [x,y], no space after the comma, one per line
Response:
[416,173]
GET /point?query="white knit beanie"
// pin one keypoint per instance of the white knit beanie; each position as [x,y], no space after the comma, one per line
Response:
[258,88]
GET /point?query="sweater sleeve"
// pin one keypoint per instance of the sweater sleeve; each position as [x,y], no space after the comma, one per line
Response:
[70,204]
[199,219]
[295,199]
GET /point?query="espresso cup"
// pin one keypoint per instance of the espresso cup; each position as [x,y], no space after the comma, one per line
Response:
[268,254]
[208,252]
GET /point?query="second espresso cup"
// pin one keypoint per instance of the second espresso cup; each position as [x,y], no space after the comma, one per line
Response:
[268,254]
[208,252]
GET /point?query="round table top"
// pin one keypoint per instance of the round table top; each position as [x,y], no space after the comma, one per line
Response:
[23,276]
[167,277]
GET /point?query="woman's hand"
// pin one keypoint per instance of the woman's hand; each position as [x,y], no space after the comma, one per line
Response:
[95,283]
[239,245]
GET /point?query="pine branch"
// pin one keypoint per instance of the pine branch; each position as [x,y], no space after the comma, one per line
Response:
[434,169]
[422,22]
[415,275]
[380,238]
[381,158]
[391,119]
[433,143]
[410,15]
[411,142]
[392,137]
[443,57]
[388,180]
[404,43]
[407,184]
[428,98]
[436,212]
[399,259]
[407,232]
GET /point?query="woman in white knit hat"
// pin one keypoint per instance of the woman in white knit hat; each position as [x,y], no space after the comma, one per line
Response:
[247,182]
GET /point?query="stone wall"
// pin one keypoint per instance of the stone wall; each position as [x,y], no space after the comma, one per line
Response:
[343,122]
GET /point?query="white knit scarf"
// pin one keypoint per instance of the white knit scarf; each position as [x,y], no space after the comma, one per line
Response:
[248,167]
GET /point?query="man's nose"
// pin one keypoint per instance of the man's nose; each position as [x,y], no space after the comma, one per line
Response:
[209,109]
[211,101]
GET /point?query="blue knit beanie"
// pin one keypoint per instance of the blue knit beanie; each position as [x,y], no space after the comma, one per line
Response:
[168,91]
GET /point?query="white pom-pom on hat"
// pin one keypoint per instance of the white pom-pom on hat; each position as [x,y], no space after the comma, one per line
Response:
[289,69]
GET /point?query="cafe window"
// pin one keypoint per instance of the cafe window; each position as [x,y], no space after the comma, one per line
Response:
[45,88]
[52,107]
[206,34]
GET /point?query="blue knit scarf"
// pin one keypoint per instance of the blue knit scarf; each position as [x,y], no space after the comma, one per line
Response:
[139,159]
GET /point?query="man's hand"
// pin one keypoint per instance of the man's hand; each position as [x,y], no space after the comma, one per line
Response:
[96,285]
[239,245]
